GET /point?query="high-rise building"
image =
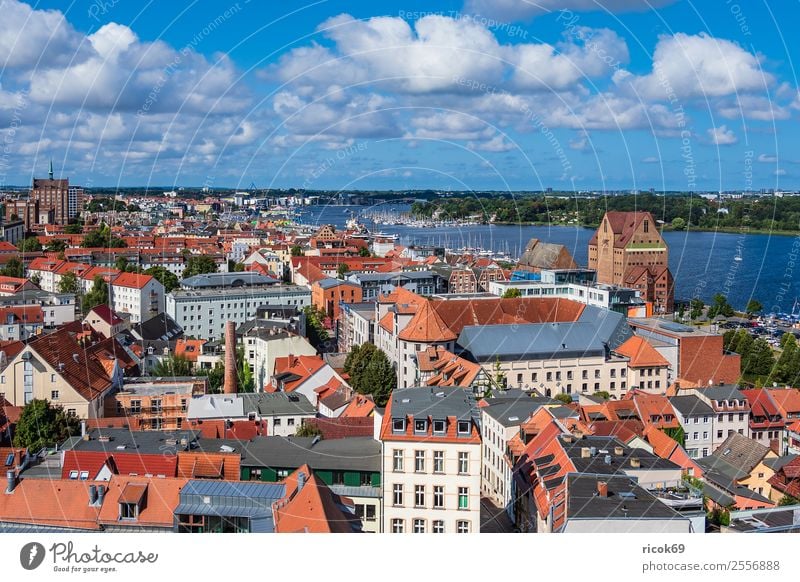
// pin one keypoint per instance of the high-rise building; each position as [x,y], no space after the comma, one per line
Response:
[627,250]
[57,196]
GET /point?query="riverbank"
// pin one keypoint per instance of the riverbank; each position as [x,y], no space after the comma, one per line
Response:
[725,230]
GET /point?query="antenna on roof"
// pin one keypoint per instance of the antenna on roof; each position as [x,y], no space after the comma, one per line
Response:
[51,168]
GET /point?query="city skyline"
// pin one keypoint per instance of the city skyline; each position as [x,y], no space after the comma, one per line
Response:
[450,96]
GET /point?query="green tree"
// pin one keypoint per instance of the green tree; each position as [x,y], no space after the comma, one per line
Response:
[102,238]
[787,368]
[297,251]
[43,425]
[68,283]
[173,366]
[36,280]
[13,268]
[364,252]
[306,429]
[198,265]
[372,373]
[342,270]
[56,246]
[97,295]
[678,223]
[696,306]
[164,276]
[244,375]
[753,306]
[720,306]
[315,329]
[215,377]
[29,245]
[74,228]
[788,500]
[565,398]
[512,293]
[500,379]
[760,360]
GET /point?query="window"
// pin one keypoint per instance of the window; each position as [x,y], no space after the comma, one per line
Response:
[397,498]
[397,461]
[463,427]
[136,406]
[155,404]
[438,526]
[290,421]
[398,425]
[463,498]
[276,422]
[128,510]
[462,526]
[54,395]
[73,474]
[705,434]
[569,374]
[549,376]
[585,375]
[419,496]
[719,434]
[397,526]
[71,412]
[419,526]
[421,426]
[419,461]
[463,463]
[438,497]
[439,426]
[52,378]
[695,436]
[438,461]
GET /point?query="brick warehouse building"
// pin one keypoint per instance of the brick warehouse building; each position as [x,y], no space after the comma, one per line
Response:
[627,250]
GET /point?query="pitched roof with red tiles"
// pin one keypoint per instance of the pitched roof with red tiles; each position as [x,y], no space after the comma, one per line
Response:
[448,369]
[426,326]
[21,314]
[241,430]
[120,463]
[654,409]
[303,367]
[50,502]
[641,353]
[44,264]
[360,406]
[339,428]
[158,500]
[623,225]
[190,349]
[107,314]
[132,280]
[76,365]
[205,465]
[624,430]
[787,400]
[311,507]
[667,448]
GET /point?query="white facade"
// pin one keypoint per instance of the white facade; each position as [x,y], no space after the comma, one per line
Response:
[202,314]
[495,469]
[267,349]
[142,303]
[422,501]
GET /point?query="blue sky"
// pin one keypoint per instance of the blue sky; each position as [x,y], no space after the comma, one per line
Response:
[474,95]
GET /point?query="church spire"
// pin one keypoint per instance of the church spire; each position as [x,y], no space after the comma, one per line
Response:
[51,169]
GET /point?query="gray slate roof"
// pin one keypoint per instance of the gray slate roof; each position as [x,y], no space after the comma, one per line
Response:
[625,500]
[277,404]
[691,406]
[240,279]
[734,459]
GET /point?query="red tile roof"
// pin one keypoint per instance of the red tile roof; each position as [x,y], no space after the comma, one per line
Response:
[641,353]
[120,463]
[132,280]
[160,496]
[339,428]
[46,502]
[310,508]
[107,314]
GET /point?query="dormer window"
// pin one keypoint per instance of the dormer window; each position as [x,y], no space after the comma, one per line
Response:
[398,425]
[128,511]
[439,427]
[463,427]
[421,426]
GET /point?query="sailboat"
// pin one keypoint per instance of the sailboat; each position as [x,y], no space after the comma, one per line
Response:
[738,256]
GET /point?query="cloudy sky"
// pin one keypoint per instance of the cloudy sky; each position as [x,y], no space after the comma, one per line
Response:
[459,95]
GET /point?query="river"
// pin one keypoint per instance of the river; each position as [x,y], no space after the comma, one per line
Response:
[703,263]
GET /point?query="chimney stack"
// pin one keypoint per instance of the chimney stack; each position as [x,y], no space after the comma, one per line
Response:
[101,494]
[92,494]
[11,478]
[602,489]
[230,358]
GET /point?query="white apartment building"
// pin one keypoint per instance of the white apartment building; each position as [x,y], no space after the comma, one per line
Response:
[731,411]
[270,346]
[142,296]
[57,308]
[500,422]
[431,461]
[697,420]
[202,313]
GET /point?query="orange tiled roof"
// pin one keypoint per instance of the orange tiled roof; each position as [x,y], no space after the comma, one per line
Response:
[189,348]
[360,406]
[50,502]
[312,508]
[160,498]
[132,280]
[641,353]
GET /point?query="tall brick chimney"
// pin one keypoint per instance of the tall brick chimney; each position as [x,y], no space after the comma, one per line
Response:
[230,358]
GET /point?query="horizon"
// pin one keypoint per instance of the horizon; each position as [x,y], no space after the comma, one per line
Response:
[465,95]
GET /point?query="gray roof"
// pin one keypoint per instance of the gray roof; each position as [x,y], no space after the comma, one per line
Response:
[381,277]
[734,459]
[330,283]
[239,279]
[161,327]
[232,499]
[778,462]
[347,454]
[595,331]
[691,406]
[277,404]
[619,463]
[625,500]
[249,291]
[438,402]
[723,392]
[541,255]
[143,442]
[512,412]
